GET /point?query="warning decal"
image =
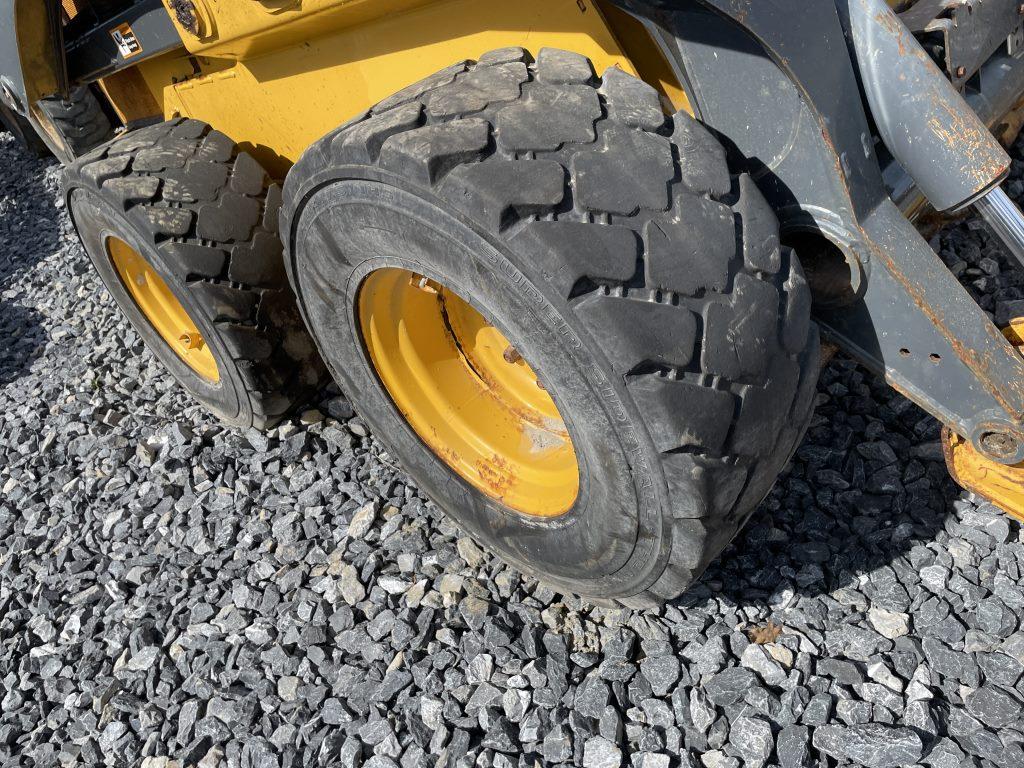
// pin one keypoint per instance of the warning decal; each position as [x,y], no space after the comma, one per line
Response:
[126,41]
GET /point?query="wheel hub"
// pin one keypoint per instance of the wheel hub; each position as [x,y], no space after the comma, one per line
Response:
[162,309]
[468,392]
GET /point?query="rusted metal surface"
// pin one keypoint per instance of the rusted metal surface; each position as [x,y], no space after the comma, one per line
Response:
[971,143]
[828,351]
[1008,126]
[498,475]
[916,325]
[923,120]
[981,361]
[814,158]
[970,31]
[995,95]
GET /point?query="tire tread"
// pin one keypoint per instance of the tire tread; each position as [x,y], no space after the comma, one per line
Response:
[212,211]
[79,119]
[629,214]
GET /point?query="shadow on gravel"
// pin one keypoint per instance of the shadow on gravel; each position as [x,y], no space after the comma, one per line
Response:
[22,340]
[773,575]
[867,485]
[29,232]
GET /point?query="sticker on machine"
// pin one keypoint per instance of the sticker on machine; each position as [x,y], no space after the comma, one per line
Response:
[126,41]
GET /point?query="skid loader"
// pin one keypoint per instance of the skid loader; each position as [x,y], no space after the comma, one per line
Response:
[570,259]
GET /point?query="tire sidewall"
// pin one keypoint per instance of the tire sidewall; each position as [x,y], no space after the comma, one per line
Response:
[96,220]
[615,540]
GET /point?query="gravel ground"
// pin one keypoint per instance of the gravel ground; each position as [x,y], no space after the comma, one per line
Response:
[175,593]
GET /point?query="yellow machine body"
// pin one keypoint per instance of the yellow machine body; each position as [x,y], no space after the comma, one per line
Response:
[277,76]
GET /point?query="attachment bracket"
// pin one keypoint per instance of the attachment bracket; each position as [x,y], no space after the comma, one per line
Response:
[970,30]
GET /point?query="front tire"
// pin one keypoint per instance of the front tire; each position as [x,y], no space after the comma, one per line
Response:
[614,250]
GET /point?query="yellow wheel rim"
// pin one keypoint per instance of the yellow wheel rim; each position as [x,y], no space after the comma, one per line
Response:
[163,311]
[467,393]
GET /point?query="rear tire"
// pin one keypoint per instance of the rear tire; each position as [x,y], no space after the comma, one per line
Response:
[642,281]
[79,119]
[204,216]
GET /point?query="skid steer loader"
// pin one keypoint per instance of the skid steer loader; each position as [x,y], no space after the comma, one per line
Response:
[569,258]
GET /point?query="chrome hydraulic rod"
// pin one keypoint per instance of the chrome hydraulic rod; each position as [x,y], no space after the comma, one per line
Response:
[1005,219]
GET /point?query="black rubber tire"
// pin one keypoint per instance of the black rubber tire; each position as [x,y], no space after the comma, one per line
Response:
[644,283]
[205,215]
[79,119]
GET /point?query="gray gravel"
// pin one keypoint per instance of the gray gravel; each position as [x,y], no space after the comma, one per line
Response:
[174,593]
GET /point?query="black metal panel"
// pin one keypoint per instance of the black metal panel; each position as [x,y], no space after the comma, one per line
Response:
[776,79]
[94,53]
[769,120]
[916,325]
[970,31]
[12,83]
[54,16]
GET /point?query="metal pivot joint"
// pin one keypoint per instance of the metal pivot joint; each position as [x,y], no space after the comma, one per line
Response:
[1007,222]
[949,152]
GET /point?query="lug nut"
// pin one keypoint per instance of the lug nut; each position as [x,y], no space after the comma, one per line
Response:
[190,340]
[511,355]
[425,284]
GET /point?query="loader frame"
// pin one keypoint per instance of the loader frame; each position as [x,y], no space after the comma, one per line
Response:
[818,159]
[821,81]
